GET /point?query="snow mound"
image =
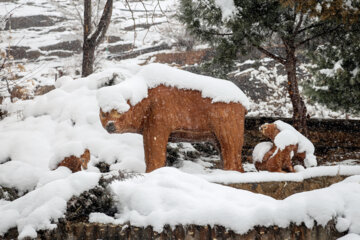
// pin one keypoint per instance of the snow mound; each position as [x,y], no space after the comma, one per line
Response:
[260,150]
[289,135]
[150,76]
[169,196]
[68,149]
[40,132]
[39,209]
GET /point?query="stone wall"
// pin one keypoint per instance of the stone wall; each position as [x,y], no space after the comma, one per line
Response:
[78,227]
[73,230]
[281,190]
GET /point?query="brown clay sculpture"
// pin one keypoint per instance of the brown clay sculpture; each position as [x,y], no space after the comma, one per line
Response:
[278,158]
[172,114]
[75,163]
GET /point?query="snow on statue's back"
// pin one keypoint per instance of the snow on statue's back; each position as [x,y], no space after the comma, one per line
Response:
[164,103]
[150,76]
[304,144]
[260,150]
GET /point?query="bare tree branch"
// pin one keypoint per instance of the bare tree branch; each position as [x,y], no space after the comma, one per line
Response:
[134,23]
[310,27]
[271,55]
[8,14]
[96,18]
[147,21]
[316,36]
[103,25]
[78,14]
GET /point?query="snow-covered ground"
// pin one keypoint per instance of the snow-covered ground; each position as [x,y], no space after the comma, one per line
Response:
[48,23]
[41,207]
[169,196]
[38,130]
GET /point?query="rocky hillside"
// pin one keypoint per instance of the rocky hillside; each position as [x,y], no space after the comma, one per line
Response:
[46,38]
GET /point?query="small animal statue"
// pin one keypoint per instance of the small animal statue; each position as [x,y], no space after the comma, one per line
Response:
[275,160]
[75,163]
[172,114]
[286,147]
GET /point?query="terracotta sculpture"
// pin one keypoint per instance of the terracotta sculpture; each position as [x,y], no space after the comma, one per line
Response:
[75,163]
[172,114]
[278,159]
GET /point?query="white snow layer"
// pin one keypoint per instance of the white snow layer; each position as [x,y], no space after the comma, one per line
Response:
[227,8]
[150,76]
[227,177]
[260,150]
[66,120]
[41,208]
[289,135]
[41,132]
[169,196]
[285,138]
[350,236]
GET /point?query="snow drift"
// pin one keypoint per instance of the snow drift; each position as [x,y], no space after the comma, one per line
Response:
[169,196]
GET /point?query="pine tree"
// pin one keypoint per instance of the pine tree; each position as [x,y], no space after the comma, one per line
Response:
[336,71]
[343,10]
[259,24]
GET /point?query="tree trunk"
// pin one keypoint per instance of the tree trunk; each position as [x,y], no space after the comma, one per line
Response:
[88,58]
[92,40]
[88,49]
[299,108]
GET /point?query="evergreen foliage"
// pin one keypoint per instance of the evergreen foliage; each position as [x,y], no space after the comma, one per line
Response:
[263,25]
[256,24]
[347,11]
[291,25]
[336,72]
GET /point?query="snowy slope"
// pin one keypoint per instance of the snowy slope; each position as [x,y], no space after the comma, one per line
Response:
[50,45]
